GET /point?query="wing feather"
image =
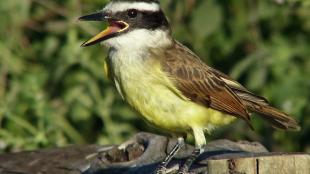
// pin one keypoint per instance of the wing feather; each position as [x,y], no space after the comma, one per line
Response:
[211,88]
[200,83]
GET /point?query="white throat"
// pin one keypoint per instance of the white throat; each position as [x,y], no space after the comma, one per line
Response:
[130,57]
[139,40]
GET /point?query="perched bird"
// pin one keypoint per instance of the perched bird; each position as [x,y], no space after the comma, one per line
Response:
[169,84]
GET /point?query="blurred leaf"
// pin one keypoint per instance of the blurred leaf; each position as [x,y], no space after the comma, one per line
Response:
[204,24]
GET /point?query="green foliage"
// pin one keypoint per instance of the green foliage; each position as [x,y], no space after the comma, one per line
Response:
[54,93]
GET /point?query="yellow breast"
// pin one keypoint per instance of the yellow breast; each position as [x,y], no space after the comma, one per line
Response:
[148,89]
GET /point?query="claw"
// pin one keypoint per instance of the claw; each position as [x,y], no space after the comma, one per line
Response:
[162,169]
[188,163]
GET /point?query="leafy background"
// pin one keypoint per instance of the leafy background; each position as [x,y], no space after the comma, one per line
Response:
[54,93]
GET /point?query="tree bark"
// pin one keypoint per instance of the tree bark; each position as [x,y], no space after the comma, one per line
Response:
[142,153]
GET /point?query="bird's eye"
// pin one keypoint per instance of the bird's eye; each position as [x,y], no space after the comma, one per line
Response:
[132,13]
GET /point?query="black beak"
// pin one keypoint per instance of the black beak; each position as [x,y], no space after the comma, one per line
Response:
[100,16]
[113,29]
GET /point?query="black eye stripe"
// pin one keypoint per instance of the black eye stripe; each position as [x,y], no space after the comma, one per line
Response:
[153,20]
[144,19]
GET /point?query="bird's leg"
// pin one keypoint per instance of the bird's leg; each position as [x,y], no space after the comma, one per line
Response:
[163,165]
[200,142]
[189,161]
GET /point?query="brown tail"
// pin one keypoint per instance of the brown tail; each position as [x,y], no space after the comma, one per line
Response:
[278,118]
[260,105]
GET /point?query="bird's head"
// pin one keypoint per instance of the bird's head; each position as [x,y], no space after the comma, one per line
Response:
[131,23]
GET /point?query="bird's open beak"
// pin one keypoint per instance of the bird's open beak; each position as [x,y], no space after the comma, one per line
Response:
[114,27]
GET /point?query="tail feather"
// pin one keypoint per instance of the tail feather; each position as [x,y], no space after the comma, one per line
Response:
[278,118]
[260,105]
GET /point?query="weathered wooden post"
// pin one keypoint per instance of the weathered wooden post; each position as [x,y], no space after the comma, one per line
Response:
[144,151]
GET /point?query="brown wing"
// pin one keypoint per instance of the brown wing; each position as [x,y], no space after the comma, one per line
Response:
[200,83]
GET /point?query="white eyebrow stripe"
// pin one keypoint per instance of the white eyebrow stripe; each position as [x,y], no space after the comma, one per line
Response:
[124,6]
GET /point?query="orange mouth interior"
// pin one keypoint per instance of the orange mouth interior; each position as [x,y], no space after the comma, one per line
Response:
[113,29]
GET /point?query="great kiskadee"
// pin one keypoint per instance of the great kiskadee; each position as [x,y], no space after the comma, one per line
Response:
[166,82]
